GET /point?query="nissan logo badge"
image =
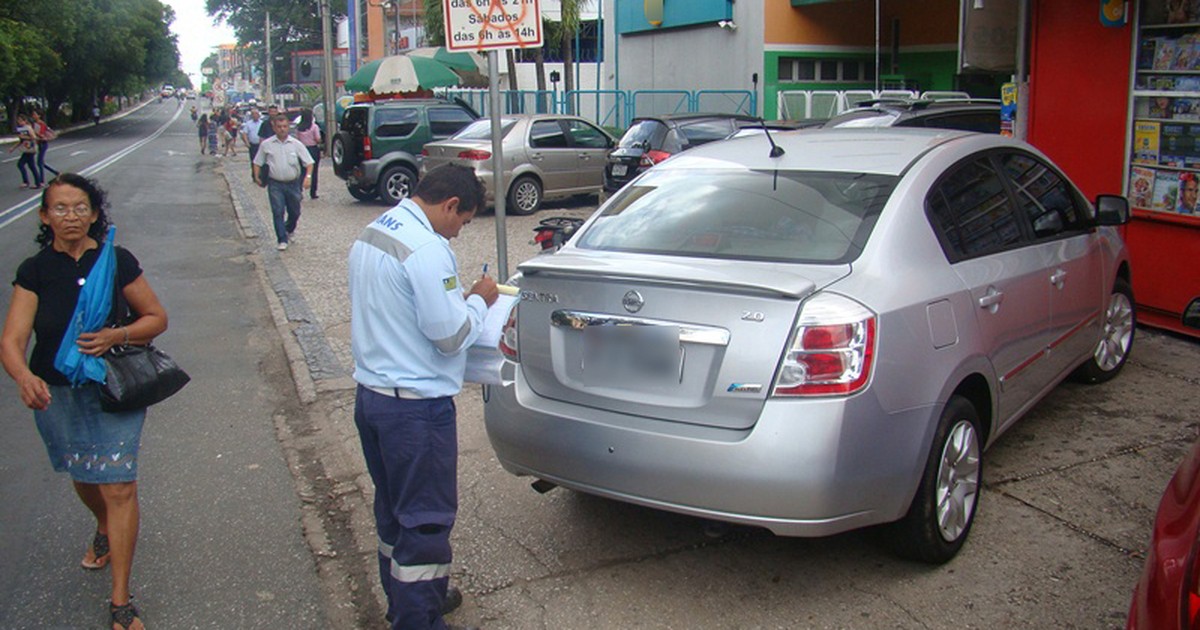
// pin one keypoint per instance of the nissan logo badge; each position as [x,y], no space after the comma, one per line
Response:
[633,301]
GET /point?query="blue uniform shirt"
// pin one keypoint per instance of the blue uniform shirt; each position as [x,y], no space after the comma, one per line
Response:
[409,323]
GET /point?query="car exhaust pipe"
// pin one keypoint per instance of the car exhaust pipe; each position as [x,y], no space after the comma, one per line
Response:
[542,486]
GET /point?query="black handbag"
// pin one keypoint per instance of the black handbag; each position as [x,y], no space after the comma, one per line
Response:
[137,376]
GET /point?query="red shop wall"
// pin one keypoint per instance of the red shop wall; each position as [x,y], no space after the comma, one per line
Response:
[1079,92]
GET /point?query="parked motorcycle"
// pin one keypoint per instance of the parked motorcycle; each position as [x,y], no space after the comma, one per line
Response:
[552,233]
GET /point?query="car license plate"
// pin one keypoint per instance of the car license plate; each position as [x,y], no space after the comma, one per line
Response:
[632,354]
[618,170]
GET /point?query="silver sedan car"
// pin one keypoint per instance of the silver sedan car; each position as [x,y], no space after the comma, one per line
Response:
[812,331]
[545,156]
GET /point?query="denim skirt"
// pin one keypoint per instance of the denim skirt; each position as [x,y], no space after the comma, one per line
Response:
[94,446]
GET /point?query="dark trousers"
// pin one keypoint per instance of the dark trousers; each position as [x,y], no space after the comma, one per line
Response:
[285,198]
[30,160]
[41,161]
[315,152]
[253,152]
[411,450]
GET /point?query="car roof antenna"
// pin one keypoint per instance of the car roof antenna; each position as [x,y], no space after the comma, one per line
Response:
[776,150]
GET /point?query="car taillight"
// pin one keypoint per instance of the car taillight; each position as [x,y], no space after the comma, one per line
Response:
[652,157]
[832,349]
[424,152]
[477,155]
[508,336]
[367,154]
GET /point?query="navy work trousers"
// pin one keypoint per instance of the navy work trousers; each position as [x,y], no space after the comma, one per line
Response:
[411,450]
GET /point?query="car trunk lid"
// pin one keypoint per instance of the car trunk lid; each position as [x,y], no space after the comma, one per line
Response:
[668,338]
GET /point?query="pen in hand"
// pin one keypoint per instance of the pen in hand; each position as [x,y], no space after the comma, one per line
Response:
[485,266]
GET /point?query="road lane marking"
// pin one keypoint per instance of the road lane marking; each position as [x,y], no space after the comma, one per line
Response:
[12,213]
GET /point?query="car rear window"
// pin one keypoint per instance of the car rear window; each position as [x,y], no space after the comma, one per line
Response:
[648,133]
[866,118]
[698,133]
[785,216]
[482,129]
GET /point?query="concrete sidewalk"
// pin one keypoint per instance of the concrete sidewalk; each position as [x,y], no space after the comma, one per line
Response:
[306,286]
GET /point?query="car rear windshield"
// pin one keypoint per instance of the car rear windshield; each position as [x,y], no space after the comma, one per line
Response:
[644,133]
[784,216]
[866,118]
[482,129]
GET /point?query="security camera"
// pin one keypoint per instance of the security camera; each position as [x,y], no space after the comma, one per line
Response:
[727,24]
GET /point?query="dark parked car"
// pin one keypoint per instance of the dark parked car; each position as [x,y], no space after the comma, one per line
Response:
[653,139]
[378,146]
[1168,595]
[965,115]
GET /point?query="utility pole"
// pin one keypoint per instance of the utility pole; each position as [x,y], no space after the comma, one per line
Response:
[270,95]
[327,79]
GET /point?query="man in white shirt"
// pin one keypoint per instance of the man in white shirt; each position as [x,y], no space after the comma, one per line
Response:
[250,135]
[289,166]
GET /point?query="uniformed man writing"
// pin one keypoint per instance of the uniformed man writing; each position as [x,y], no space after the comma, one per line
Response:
[410,326]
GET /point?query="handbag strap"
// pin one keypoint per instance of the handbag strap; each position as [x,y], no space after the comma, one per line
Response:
[120,314]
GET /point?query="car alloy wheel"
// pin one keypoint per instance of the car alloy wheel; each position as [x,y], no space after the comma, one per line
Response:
[396,184]
[526,196]
[957,481]
[1118,332]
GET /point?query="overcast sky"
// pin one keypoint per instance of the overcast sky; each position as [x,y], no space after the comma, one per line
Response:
[197,35]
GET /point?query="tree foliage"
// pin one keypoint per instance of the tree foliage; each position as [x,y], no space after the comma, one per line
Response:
[295,26]
[81,51]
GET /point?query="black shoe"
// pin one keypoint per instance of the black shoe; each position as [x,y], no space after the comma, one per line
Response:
[454,599]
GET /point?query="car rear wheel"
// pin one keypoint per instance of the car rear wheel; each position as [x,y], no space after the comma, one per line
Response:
[339,154]
[361,194]
[941,514]
[1116,338]
[396,183]
[525,196]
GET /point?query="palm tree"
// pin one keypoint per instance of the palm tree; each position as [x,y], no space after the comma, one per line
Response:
[570,26]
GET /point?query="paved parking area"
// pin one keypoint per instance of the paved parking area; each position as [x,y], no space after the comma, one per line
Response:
[1064,518]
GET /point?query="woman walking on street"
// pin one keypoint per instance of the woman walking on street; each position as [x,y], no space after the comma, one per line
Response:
[44,135]
[309,134]
[97,448]
[27,143]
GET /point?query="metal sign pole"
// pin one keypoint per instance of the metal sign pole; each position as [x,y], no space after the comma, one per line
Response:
[497,165]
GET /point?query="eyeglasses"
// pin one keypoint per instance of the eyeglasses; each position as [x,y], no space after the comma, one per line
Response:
[81,210]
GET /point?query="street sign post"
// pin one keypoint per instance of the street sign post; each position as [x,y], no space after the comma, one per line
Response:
[492,25]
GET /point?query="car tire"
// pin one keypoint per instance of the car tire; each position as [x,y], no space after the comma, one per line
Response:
[396,183]
[1116,338]
[941,514]
[339,154]
[525,196]
[360,193]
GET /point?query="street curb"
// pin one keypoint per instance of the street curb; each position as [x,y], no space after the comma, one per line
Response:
[6,140]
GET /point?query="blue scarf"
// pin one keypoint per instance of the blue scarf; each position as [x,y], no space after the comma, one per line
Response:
[91,313]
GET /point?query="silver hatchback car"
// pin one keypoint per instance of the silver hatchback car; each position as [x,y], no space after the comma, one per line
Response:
[815,339]
[545,156]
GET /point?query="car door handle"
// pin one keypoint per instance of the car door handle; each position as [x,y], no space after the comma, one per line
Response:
[992,300]
[584,156]
[1057,278]
[537,157]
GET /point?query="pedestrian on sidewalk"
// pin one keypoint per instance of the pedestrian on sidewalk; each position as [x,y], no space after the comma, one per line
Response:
[98,449]
[288,167]
[214,123]
[410,327]
[250,135]
[202,130]
[309,134]
[27,143]
[44,135]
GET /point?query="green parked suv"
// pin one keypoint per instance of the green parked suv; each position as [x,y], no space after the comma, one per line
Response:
[378,148]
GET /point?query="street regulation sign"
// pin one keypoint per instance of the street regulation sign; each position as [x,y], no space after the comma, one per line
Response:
[479,25]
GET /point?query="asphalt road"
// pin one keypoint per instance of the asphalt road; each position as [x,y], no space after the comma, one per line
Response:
[221,542]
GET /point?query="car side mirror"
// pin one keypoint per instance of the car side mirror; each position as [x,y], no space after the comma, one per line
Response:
[1191,314]
[1112,210]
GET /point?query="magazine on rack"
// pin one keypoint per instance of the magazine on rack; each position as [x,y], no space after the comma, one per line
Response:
[1141,186]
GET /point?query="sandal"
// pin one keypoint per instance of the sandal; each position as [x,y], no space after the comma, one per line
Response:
[99,553]
[124,615]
